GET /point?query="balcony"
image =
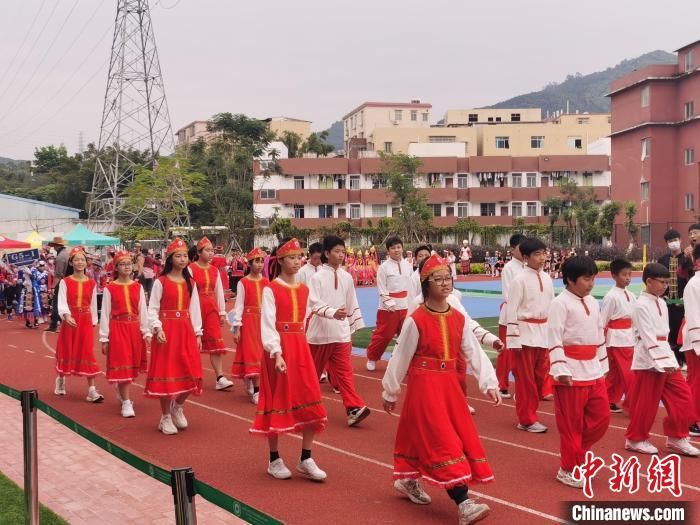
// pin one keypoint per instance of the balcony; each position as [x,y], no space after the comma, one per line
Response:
[526,194]
[312,196]
[492,194]
[602,193]
[440,195]
[440,222]
[494,220]
[376,196]
[315,223]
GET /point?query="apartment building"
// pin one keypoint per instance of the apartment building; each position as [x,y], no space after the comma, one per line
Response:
[194,131]
[464,117]
[656,144]
[281,124]
[198,129]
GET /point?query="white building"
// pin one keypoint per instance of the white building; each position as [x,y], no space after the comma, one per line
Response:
[19,216]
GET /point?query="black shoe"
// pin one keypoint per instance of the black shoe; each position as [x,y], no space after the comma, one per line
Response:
[27,324]
[694,430]
[615,409]
[51,328]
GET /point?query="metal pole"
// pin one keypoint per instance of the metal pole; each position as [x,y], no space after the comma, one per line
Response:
[31,474]
[182,482]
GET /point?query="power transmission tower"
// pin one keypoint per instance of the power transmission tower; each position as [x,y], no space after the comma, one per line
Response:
[134,118]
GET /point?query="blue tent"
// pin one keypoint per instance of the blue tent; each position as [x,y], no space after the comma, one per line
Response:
[80,235]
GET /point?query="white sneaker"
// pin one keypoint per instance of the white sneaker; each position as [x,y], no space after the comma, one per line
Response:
[548,397]
[567,478]
[323,378]
[470,512]
[413,489]
[535,428]
[356,415]
[682,446]
[254,397]
[94,396]
[178,415]
[309,469]
[60,389]
[223,383]
[250,386]
[128,409]
[278,470]
[166,425]
[472,410]
[371,365]
[505,394]
[643,447]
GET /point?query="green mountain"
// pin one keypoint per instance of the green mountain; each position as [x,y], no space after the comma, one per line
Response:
[584,92]
[5,160]
[335,135]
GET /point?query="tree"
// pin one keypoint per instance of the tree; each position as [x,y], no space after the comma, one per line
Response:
[630,227]
[608,212]
[316,143]
[466,228]
[554,206]
[293,141]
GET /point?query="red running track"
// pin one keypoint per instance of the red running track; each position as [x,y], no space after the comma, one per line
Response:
[358,460]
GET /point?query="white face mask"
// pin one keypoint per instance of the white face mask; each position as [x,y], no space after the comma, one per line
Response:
[674,245]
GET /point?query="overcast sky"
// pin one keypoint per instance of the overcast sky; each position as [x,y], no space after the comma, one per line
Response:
[313,59]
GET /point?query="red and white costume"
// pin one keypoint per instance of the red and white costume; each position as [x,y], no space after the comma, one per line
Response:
[74,351]
[577,350]
[330,339]
[124,325]
[616,316]
[529,298]
[219,262]
[691,340]
[651,384]
[393,285]
[504,362]
[289,401]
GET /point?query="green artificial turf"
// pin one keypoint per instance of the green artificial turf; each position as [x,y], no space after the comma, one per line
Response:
[12,506]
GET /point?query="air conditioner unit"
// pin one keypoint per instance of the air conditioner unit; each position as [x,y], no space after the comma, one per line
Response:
[395,122]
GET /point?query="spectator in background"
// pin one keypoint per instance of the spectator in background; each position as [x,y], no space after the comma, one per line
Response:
[59,272]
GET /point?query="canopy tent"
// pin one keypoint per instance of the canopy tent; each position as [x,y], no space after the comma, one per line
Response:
[11,244]
[80,235]
[35,239]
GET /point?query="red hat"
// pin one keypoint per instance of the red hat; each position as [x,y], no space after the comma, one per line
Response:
[433,264]
[121,256]
[291,247]
[75,251]
[219,249]
[203,243]
[255,253]
[177,246]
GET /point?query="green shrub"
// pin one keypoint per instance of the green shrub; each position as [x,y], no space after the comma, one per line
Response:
[477,268]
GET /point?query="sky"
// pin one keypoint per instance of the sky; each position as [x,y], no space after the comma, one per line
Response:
[311,59]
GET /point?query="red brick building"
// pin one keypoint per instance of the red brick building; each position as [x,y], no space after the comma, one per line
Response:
[656,145]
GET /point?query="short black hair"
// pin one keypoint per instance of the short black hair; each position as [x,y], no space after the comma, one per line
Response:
[516,239]
[671,234]
[330,242]
[427,247]
[316,247]
[530,245]
[393,240]
[695,226]
[578,266]
[619,264]
[696,252]
[655,271]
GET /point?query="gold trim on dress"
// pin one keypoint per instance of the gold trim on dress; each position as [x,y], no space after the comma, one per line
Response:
[287,410]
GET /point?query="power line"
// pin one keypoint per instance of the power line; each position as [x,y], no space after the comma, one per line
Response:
[21,46]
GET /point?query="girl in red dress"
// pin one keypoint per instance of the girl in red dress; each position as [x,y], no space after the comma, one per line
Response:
[245,323]
[124,332]
[174,316]
[213,306]
[436,439]
[77,308]
[290,397]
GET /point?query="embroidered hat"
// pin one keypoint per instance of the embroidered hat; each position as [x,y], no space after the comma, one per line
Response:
[219,249]
[255,253]
[121,255]
[75,251]
[433,264]
[177,246]
[203,243]
[291,247]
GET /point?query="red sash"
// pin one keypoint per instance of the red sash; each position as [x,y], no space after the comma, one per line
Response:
[581,352]
[431,363]
[399,295]
[290,326]
[622,323]
[535,321]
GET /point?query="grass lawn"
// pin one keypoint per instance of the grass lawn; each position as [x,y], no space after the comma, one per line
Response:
[12,506]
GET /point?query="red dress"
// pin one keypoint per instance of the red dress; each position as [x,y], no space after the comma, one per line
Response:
[290,401]
[175,366]
[127,350]
[206,278]
[250,350]
[436,438]
[74,352]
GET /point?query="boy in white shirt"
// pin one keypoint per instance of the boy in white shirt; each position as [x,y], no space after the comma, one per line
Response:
[657,376]
[313,264]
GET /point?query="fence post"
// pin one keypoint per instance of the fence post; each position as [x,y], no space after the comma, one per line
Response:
[31,465]
[182,482]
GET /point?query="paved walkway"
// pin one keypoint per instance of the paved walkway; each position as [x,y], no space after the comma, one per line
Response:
[86,485]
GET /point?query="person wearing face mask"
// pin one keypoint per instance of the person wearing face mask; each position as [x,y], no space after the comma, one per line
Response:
[680,267]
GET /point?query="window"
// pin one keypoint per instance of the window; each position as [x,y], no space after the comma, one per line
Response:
[449,211]
[378,182]
[575,143]
[490,119]
[498,119]
[298,211]
[425,117]
[487,183]
[354,182]
[646,147]
[264,222]
[537,142]
[532,180]
[517,209]
[299,183]
[689,66]
[342,213]
[325,211]
[517,180]
[515,117]
[463,209]
[689,156]
[644,190]
[689,110]
[587,179]
[387,147]
[531,209]
[434,180]
[441,138]
[268,194]
[462,181]
[645,96]
[378,210]
[398,114]
[502,143]
[488,209]
[414,115]
[355,211]
[583,120]
[437,209]
[362,118]
[689,201]
[473,117]
[341,181]
[395,211]
[325,182]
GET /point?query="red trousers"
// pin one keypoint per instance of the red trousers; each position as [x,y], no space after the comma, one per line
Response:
[531,367]
[388,325]
[693,362]
[336,358]
[582,415]
[504,361]
[620,376]
[648,388]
